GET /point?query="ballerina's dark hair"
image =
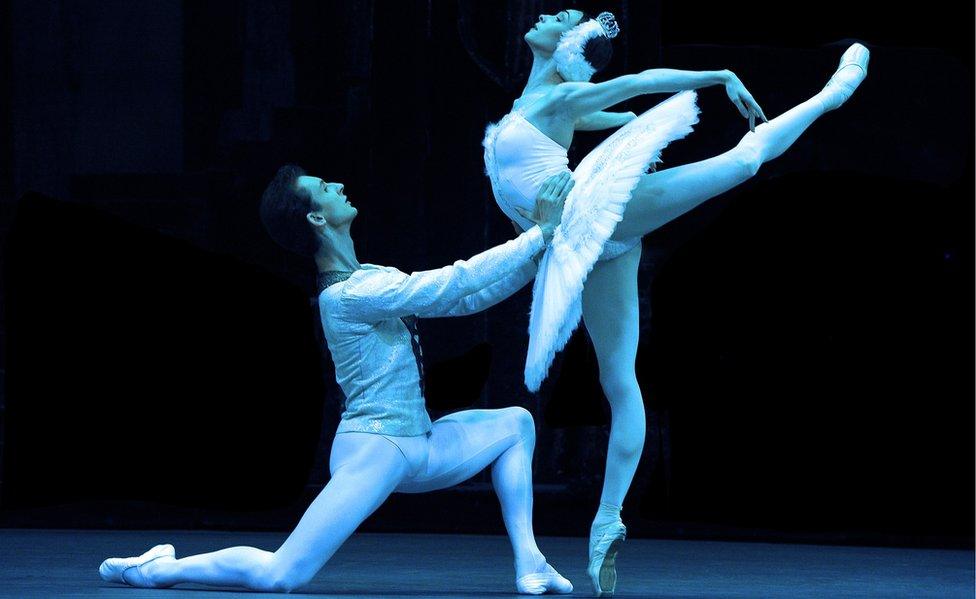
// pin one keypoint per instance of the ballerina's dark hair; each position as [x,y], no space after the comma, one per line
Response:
[599,49]
[283,211]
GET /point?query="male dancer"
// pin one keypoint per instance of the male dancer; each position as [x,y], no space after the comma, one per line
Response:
[385,442]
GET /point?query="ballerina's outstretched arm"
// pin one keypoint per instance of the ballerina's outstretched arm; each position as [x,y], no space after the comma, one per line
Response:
[598,121]
[578,99]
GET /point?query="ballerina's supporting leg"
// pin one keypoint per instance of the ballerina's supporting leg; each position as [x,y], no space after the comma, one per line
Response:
[366,469]
[611,316]
[667,194]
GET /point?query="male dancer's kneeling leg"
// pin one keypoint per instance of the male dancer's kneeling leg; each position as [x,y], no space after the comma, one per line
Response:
[385,442]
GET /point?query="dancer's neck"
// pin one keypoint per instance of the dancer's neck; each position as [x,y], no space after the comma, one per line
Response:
[543,74]
[337,251]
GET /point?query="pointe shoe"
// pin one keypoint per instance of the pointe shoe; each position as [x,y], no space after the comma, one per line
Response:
[547,581]
[845,79]
[604,545]
[113,569]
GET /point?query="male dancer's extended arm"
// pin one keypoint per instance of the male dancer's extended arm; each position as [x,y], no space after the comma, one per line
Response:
[491,295]
[370,296]
[467,285]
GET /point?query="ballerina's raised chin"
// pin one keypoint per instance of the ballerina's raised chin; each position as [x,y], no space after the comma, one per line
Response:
[589,271]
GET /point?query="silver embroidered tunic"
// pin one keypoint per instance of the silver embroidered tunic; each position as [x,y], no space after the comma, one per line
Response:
[372,347]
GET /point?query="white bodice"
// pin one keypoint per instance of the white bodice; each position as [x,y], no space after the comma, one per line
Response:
[518,159]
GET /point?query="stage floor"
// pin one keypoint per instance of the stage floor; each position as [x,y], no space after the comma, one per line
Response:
[64,563]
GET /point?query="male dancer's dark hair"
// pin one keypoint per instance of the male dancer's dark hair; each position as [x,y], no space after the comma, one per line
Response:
[284,207]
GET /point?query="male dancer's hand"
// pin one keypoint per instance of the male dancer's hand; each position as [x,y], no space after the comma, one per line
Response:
[548,211]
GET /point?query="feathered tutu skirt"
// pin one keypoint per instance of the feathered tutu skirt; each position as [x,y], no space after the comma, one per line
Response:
[604,182]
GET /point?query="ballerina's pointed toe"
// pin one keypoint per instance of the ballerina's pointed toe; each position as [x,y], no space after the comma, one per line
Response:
[113,569]
[841,85]
[857,55]
[604,545]
[547,581]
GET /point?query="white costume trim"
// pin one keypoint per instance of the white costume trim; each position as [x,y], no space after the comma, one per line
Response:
[568,55]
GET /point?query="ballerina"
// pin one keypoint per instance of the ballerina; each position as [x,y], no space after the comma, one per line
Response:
[614,204]
[385,442]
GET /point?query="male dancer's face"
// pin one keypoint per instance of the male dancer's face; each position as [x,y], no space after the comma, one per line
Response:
[545,34]
[328,200]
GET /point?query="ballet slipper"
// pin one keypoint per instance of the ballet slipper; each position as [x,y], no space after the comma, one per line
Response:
[845,80]
[605,542]
[113,569]
[547,581]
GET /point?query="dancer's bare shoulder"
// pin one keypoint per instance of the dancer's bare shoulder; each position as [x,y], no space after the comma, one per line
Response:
[579,98]
[548,113]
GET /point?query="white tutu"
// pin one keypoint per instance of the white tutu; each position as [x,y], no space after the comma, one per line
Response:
[604,179]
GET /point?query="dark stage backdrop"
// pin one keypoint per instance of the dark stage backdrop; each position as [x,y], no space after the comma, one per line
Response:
[806,342]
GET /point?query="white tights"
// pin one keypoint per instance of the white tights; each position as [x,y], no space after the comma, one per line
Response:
[366,468]
[610,310]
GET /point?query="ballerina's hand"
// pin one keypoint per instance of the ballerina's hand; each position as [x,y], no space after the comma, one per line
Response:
[743,100]
[548,211]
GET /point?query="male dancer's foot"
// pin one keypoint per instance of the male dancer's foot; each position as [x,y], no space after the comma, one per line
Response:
[133,571]
[534,576]
[606,535]
[851,71]
[545,580]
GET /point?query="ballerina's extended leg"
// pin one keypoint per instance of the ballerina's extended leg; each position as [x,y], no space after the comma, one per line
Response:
[662,196]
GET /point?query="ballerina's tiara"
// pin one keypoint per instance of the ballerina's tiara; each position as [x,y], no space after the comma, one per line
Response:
[568,56]
[609,24]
